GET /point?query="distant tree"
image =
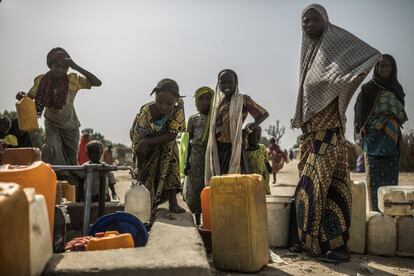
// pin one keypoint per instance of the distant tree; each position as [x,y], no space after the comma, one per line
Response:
[11,114]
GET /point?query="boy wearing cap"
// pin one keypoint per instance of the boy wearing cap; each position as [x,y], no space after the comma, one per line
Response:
[153,136]
[54,93]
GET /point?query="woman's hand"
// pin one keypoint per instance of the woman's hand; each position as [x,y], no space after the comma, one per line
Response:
[363,131]
[20,95]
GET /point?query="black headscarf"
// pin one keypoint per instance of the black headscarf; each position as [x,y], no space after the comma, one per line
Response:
[369,92]
[391,84]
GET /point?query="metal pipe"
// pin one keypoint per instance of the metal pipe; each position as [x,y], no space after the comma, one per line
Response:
[102,186]
[98,167]
[87,203]
[91,169]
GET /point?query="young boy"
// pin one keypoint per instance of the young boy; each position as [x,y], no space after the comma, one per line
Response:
[94,149]
[54,93]
[258,158]
[109,159]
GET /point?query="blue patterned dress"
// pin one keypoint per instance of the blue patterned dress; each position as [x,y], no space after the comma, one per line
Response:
[381,144]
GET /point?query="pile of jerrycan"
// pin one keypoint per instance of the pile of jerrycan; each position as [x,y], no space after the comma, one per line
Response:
[34,218]
[388,232]
[240,223]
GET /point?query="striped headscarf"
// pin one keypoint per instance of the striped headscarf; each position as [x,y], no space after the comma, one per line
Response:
[332,66]
[200,92]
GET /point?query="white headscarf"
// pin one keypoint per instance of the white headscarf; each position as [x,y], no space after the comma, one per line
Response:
[212,166]
[330,67]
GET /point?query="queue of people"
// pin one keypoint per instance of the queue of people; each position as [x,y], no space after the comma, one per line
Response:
[333,63]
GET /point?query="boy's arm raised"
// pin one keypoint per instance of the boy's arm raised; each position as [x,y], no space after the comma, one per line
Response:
[91,77]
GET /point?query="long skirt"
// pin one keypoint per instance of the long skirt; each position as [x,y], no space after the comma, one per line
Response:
[224,152]
[381,171]
[323,198]
[61,145]
[158,170]
[196,178]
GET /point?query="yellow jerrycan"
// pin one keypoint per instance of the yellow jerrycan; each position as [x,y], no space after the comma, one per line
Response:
[26,114]
[239,222]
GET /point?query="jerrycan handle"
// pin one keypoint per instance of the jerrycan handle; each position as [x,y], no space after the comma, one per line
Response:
[136,183]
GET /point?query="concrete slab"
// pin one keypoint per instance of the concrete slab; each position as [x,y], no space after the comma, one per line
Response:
[174,248]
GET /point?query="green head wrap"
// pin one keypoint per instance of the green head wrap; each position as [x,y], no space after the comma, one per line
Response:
[200,92]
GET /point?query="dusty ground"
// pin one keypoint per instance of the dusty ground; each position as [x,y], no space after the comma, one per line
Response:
[297,264]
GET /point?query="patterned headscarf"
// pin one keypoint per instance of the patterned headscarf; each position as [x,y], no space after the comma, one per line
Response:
[330,69]
[52,94]
[212,166]
[200,92]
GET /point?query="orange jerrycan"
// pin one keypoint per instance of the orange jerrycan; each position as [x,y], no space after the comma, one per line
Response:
[26,114]
[39,176]
[14,231]
[239,222]
[110,240]
[206,208]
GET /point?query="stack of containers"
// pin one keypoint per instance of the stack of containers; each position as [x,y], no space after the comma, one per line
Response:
[26,243]
[390,232]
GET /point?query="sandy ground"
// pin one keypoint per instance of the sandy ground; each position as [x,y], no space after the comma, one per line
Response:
[298,264]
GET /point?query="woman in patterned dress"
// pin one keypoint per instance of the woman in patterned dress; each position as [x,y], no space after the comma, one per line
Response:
[333,64]
[379,116]
[153,136]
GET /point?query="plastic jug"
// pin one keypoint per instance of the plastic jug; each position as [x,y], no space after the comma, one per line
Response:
[110,240]
[65,190]
[396,200]
[405,237]
[278,219]
[357,232]
[14,231]
[206,208]
[21,156]
[39,176]
[239,222]
[381,234]
[26,114]
[40,240]
[138,202]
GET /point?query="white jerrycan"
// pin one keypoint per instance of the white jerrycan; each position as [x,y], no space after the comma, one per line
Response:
[138,201]
[40,237]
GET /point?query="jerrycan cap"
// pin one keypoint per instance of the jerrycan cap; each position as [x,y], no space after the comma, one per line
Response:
[136,183]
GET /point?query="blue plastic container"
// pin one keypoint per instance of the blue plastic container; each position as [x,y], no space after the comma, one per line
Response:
[123,223]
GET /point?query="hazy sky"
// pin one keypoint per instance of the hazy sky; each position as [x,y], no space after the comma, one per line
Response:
[131,45]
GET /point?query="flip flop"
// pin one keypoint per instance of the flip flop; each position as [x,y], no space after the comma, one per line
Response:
[335,257]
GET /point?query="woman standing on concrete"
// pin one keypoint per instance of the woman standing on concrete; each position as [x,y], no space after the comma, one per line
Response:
[333,64]
[379,116]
